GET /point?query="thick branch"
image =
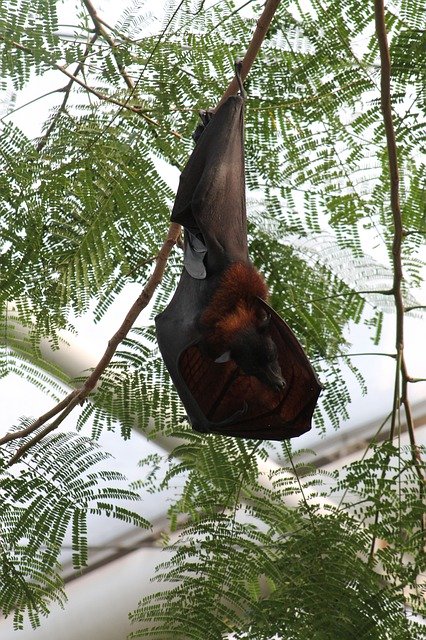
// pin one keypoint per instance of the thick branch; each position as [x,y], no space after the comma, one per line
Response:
[253,49]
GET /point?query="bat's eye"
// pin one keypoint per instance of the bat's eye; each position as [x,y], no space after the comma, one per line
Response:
[264,322]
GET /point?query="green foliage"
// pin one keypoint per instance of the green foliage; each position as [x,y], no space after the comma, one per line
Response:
[57,486]
[84,210]
[250,565]
[29,27]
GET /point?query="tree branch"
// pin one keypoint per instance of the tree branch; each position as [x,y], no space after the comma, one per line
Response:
[354,355]
[67,89]
[417,306]
[41,420]
[386,107]
[79,395]
[383,292]
[110,99]
[73,78]
[30,102]
[101,30]
[253,49]
[173,235]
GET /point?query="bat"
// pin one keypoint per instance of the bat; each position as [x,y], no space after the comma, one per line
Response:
[236,365]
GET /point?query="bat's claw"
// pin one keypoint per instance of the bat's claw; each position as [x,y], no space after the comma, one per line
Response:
[238,74]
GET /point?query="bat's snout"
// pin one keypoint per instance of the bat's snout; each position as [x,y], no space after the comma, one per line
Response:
[280,385]
[274,377]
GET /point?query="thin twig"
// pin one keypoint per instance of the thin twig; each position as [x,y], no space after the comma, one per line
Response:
[101,30]
[67,89]
[30,102]
[412,232]
[308,507]
[106,98]
[157,44]
[353,355]
[370,443]
[123,105]
[383,292]
[75,400]
[417,306]
[142,263]
[14,435]
[230,15]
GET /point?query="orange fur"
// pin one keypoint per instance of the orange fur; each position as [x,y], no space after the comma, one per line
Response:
[233,306]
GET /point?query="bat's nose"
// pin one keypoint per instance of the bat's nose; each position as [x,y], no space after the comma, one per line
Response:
[279,385]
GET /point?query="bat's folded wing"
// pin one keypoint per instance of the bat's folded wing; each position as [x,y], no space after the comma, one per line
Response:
[224,400]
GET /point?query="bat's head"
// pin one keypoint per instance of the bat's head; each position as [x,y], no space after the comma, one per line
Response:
[255,352]
[236,326]
[250,345]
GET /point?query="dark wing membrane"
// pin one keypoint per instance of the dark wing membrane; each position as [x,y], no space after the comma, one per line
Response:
[235,404]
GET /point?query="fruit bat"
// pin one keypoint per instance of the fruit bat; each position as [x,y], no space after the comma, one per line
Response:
[237,366]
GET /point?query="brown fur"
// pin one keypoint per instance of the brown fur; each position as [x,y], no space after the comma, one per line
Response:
[233,306]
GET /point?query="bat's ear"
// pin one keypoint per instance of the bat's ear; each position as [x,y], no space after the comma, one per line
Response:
[225,357]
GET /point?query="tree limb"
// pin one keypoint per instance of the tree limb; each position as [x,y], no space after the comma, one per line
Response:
[253,49]
[385,99]
[400,396]
[417,306]
[73,78]
[41,420]
[101,30]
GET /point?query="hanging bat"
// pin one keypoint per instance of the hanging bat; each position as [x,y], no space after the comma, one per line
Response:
[237,367]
